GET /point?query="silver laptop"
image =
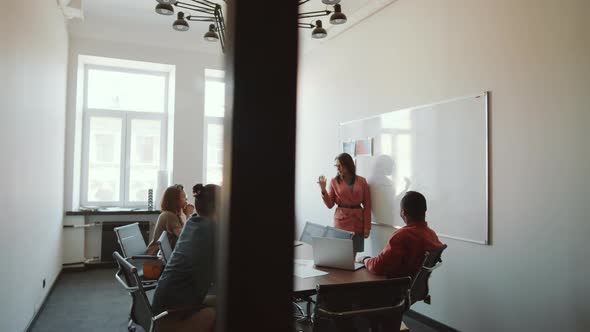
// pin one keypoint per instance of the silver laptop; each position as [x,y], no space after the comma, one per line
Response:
[335,253]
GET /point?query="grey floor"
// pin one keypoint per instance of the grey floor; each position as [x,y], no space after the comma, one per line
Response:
[85,301]
[93,301]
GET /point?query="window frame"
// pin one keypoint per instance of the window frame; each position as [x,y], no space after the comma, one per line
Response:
[126,116]
[208,120]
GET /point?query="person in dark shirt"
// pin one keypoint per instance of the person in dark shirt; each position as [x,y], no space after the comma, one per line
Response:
[188,275]
[405,251]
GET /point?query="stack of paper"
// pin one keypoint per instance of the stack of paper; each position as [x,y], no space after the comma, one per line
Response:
[303,268]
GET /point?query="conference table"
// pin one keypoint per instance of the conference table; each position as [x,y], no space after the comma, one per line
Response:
[307,286]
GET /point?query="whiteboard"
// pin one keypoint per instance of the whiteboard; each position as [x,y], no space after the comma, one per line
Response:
[440,150]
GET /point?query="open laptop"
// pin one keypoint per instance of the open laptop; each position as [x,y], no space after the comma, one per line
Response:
[335,253]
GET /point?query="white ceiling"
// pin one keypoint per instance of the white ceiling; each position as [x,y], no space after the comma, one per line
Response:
[136,21]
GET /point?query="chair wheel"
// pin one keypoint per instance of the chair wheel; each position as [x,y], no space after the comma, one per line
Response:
[131,328]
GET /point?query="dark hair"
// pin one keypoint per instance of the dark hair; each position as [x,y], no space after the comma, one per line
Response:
[205,198]
[171,199]
[346,161]
[415,205]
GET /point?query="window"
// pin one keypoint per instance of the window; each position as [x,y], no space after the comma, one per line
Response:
[396,140]
[214,112]
[124,134]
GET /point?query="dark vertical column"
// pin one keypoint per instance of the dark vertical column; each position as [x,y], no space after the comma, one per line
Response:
[257,223]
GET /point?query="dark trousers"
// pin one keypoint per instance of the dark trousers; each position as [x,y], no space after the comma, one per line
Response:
[358,242]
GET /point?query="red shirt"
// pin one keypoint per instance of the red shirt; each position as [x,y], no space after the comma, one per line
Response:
[352,220]
[405,251]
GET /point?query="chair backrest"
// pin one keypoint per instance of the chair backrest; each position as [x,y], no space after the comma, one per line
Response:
[432,260]
[130,240]
[336,233]
[310,231]
[165,247]
[141,310]
[378,305]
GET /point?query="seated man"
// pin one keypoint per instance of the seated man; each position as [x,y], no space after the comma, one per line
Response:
[405,251]
[188,275]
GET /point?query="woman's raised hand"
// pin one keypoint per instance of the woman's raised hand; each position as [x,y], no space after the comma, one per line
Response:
[322,182]
[188,209]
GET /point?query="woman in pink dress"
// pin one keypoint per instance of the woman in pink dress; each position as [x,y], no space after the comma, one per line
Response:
[350,192]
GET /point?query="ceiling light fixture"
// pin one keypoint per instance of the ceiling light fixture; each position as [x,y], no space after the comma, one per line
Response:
[338,17]
[180,24]
[209,11]
[164,9]
[319,32]
[211,35]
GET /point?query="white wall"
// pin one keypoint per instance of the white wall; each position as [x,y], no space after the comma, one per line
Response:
[33,65]
[534,56]
[189,103]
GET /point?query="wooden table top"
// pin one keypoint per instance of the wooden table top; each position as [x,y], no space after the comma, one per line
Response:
[307,286]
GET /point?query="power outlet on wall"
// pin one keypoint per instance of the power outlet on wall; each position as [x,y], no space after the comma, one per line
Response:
[43,282]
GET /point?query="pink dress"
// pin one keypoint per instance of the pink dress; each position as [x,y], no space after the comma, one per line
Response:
[354,207]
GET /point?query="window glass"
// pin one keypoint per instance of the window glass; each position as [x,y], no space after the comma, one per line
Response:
[145,158]
[214,98]
[214,153]
[126,91]
[104,159]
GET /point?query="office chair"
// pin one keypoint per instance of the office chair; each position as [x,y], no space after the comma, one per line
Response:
[132,245]
[165,248]
[375,306]
[141,311]
[432,260]
[310,231]
[130,240]
[336,233]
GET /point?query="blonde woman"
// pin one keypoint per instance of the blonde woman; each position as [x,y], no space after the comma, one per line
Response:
[175,210]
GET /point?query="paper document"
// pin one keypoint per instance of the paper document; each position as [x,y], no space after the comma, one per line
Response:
[306,262]
[303,268]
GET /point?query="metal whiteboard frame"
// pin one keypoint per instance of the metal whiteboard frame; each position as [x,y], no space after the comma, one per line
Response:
[485,95]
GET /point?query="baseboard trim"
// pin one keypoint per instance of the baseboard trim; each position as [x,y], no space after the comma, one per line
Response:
[100,265]
[81,267]
[73,268]
[430,322]
[34,319]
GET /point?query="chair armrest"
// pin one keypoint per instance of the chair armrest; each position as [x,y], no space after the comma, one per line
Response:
[124,284]
[304,298]
[150,287]
[144,257]
[160,315]
[430,269]
[169,311]
[362,311]
[147,285]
